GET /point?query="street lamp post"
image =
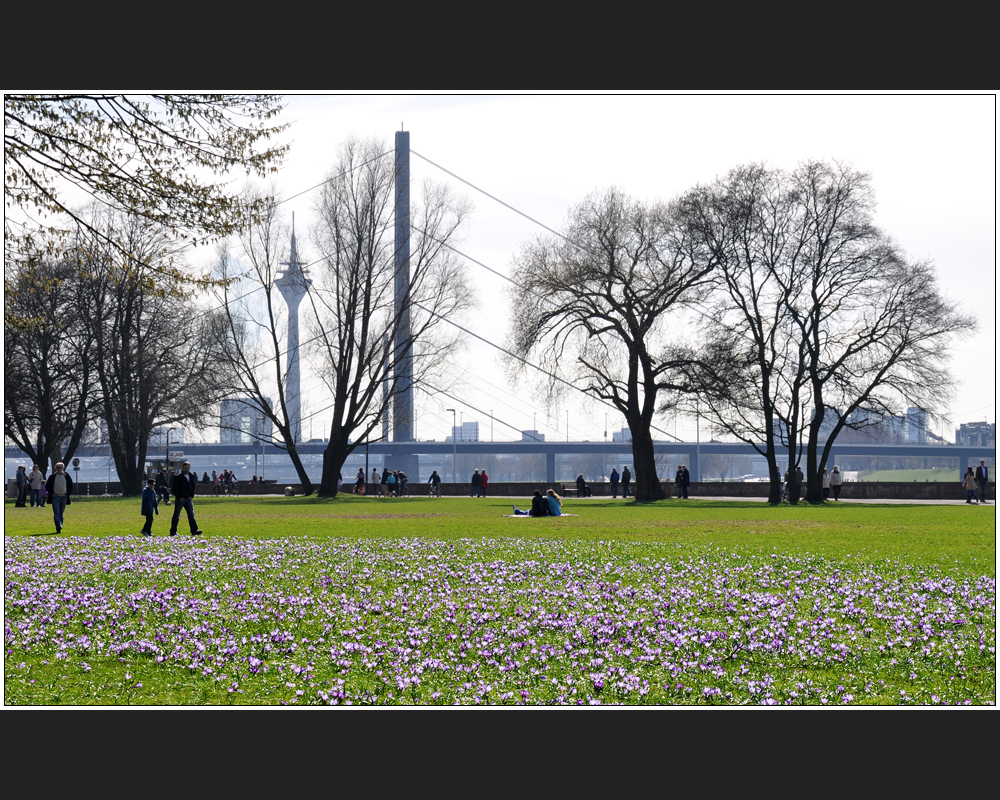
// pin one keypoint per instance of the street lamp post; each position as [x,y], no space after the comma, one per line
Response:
[166,457]
[454,448]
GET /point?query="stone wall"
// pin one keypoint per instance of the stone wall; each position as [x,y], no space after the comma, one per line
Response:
[871,490]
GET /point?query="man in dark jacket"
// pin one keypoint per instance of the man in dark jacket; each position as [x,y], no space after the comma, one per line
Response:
[22,487]
[59,487]
[626,480]
[539,505]
[982,478]
[183,489]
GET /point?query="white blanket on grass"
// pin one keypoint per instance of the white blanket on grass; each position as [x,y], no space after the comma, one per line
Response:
[528,516]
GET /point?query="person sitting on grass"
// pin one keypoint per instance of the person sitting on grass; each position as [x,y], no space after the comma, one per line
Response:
[539,507]
[555,504]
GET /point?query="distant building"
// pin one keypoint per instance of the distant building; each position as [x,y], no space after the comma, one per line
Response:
[241,422]
[532,436]
[916,426]
[870,427]
[466,432]
[623,436]
[977,434]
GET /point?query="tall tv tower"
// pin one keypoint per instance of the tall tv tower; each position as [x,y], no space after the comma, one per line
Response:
[402,402]
[293,285]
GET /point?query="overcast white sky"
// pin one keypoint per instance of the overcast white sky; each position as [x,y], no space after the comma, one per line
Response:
[932,159]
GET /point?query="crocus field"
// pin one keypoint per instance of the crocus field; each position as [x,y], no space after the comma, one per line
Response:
[513,619]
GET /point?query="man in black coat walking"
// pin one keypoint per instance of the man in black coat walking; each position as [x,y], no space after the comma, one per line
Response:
[183,489]
[626,480]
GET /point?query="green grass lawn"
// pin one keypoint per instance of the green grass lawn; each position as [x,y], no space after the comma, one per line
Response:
[922,533]
[950,475]
[446,601]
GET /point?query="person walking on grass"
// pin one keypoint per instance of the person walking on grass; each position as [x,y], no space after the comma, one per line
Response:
[59,487]
[614,482]
[150,506]
[183,489]
[826,484]
[626,480]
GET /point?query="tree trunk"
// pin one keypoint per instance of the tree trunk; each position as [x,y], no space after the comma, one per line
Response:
[300,470]
[647,484]
[334,457]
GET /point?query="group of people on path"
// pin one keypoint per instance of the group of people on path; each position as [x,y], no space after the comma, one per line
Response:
[625,478]
[31,487]
[795,478]
[480,480]
[391,483]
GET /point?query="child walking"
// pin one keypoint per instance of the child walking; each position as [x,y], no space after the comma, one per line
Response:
[150,506]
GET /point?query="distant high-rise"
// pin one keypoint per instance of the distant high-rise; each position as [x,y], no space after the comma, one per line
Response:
[240,422]
[466,432]
[623,436]
[293,285]
[916,426]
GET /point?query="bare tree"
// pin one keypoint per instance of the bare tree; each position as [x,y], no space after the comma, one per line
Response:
[749,380]
[821,310]
[48,393]
[596,306]
[355,318]
[153,355]
[255,343]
